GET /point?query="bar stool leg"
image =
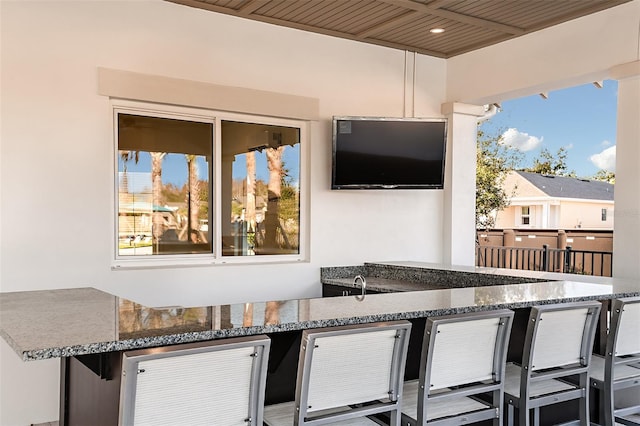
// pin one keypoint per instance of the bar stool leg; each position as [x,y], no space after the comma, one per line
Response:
[510,415]
[584,402]
[525,415]
[394,419]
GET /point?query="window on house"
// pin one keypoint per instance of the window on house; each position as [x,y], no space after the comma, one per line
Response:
[604,215]
[199,186]
[525,216]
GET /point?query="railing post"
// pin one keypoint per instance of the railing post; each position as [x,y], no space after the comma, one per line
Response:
[567,260]
[545,257]
[610,265]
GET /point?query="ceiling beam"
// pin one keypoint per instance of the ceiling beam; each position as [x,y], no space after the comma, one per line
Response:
[433,9]
[249,7]
[389,24]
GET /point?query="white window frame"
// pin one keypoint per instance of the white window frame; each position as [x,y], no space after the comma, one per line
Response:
[523,216]
[214,117]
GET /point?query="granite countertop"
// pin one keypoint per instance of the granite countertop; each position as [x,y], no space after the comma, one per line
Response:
[416,276]
[61,323]
[384,285]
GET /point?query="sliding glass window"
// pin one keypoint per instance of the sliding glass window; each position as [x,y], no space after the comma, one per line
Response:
[164,185]
[219,186]
[260,189]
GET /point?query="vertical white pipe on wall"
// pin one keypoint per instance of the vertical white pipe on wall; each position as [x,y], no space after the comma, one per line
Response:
[409,95]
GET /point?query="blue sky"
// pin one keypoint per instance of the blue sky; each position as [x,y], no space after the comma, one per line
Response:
[174,167]
[582,119]
[290,158]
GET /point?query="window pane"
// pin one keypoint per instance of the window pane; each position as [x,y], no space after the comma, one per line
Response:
[260,189]
[525,216]
[163,186]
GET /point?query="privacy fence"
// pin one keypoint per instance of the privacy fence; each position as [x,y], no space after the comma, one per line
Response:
[557,256]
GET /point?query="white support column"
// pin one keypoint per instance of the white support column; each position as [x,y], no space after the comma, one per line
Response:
[545,214]
[459,225]
[627,197]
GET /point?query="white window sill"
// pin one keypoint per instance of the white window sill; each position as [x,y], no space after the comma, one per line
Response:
[182,262]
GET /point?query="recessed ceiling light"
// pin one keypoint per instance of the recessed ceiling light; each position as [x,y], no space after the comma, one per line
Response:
[436,30]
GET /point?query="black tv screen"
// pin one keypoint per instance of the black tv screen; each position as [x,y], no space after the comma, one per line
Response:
[388,153]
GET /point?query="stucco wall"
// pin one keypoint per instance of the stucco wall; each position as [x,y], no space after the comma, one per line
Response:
[577,214]
[57,141]
[520,187]
[57,155]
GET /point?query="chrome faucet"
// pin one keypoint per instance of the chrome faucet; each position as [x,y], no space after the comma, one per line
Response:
[363,285]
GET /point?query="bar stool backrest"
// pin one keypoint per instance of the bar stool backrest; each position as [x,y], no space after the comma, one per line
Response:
[342,366]
[621,362]
[217,382]
[560,338]
[560,335]
[627,335]
[465,349]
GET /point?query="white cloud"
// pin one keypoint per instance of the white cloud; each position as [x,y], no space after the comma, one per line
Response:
[605,160]
[520,140]
[568,147]
[605,143]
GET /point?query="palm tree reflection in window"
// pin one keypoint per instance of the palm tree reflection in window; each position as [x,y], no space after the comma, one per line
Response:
[260,172]
[137,321]
[163,214]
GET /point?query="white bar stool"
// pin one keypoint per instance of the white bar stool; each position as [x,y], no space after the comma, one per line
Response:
[620,367]
[558,345]
[219,382]
[346,374]
[463,357]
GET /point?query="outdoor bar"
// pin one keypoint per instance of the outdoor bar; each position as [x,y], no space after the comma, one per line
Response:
[89,329]
[178,172]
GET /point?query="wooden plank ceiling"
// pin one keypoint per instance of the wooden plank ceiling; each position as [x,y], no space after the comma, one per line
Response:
[406,24]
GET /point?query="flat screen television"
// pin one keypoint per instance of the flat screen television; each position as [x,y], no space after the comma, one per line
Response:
[388,153]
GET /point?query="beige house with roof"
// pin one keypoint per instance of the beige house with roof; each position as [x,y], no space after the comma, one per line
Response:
[556,202]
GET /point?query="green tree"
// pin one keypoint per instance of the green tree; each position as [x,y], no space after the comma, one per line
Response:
[551,164]
[172,194]
[494,160]
[605,176]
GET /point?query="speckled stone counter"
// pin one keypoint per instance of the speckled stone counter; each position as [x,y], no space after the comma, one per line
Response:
[384,285]
[71,322]
[412,276]
[87,329]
